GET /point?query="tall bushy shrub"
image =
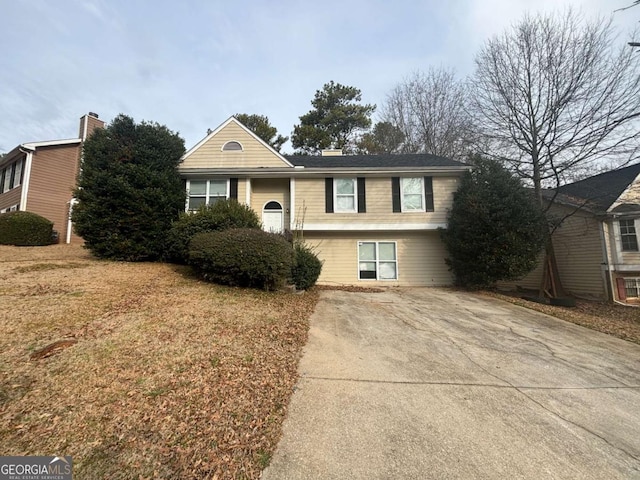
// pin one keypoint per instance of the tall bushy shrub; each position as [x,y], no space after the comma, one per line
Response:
[222,215]
[25,229]
[496,230]
[242,257]
[129,190]
[306,268]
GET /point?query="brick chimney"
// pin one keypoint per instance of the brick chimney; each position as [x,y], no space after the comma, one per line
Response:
[88,123]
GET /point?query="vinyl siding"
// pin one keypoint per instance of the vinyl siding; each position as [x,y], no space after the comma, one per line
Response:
[420,258]
[53,178]
[625,258]
[310,197]
[10,197]
[578,249]
[265,190]
[253,155]
[630,195]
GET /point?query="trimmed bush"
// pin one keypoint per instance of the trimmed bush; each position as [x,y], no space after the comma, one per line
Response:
[25,229]
[307,267]
[242,257]
[222,215]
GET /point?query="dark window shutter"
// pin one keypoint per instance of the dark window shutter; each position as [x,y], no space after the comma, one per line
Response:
[428,194]
[233,188]
[395,194]
[362,196]
[328,194]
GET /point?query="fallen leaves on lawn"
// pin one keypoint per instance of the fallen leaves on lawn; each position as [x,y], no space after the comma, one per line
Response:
[170,377]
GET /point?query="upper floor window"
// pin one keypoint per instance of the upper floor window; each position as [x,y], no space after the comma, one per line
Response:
[206,192]
[232,146]
[628,236]
[17,174]
[412,194]
[345,195]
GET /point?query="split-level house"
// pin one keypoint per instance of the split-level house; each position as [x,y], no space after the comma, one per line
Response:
[372,219]
[596,245]
[39,177]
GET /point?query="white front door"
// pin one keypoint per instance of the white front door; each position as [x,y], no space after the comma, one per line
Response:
[273,217]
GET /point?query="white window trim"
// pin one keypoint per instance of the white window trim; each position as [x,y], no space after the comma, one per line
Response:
[637,286]
[207,194]
[635,225]
[355,195]
[422,196]
[377,244]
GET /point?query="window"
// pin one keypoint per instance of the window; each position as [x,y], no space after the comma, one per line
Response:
[377,261]
[17,174]
[628,236]
[8,176]
[632,287]
[412,194]
[232,146]
[205,192]
[345,195]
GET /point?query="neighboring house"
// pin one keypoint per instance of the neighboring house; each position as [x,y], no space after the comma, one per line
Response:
[372,219]
[39,177]
[596,246]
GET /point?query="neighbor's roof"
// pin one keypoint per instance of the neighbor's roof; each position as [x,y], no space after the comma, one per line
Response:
[598,192]
[373,161]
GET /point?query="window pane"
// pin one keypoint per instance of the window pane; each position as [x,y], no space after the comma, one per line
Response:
[17,174]
[387,270]
[367,251]
[368,274]
[197,187]
[387,251]
[218,188]
[367,266]
[413,202]
[345,186]
[412,186]
[195,202]
[345,204]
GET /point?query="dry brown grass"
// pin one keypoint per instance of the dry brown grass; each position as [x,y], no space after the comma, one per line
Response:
[170,377]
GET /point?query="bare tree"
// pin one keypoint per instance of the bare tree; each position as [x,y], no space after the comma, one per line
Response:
[554,96]
[430,111]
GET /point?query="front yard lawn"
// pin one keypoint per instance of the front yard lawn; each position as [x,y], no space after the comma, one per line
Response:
[170,377]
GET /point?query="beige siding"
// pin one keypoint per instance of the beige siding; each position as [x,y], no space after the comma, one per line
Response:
[420,258]
[310,200]
[53,178]
[253,155]
[630,195]
[579,254]
[265,190]
[626,258]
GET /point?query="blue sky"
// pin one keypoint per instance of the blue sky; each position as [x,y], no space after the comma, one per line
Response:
[190,65]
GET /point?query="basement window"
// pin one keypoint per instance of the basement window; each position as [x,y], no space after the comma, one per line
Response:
[632,287]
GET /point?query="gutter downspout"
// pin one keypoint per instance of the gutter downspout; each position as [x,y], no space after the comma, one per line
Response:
[26,177]
[607,275]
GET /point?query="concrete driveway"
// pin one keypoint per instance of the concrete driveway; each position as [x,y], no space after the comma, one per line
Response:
[429,383]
